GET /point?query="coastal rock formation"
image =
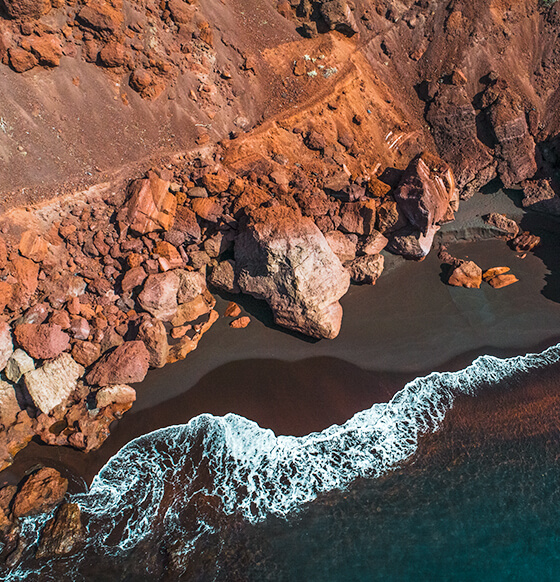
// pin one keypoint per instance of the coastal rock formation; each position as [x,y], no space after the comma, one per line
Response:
[426,193]
[52,383]
[539,195]
[283,258]
[43,491]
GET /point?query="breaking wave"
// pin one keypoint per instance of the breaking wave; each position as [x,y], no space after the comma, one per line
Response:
[183,480]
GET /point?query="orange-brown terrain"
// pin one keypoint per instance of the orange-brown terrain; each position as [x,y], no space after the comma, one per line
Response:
[153,153]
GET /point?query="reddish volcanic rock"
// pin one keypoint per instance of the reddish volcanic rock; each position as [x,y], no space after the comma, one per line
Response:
[151,206]
[232,310]
[101,17]
[240,323]
[133,278]
[42,341]
[358,217]
[15,439]
[284,258]
[47,49]
[126,364]
[86,353]
[366,269]
[27,9]
[426,193]
[33,246]
[159,295]
[208,209]
[539,195]
[154,335]
[453,120]
[508,226]
[467,274]
[43,491]
[113,54]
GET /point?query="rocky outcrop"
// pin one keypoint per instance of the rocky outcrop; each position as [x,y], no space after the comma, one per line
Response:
[127,364]
[43,491]
[426,193]
[52,383]
[453,120]
[284,258]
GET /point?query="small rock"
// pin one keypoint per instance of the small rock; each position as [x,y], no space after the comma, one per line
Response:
[343,247]
[223,277]
[366,269]
[79,327]
[198,192]
[373,244]
[118,394]
[508,226]
[525,242]
[86,353]
[503,280]
[493,272]
[154,335]
[232,310]
[133,278]
[240,323]
[9,407]
[33,246]
[467,274]
[19,364]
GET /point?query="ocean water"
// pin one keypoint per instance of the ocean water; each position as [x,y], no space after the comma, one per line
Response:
[439,483]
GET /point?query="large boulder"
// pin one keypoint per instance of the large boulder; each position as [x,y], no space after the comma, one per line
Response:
[151,206]
[9,407]
[426,193]
[43,491]
[283,258]
[42,341]
[51,384]
[125,365]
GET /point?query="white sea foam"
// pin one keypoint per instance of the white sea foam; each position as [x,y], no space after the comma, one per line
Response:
[253,473]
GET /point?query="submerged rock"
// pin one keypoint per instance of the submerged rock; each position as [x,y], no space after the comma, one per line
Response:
[62,532]
[284,258]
